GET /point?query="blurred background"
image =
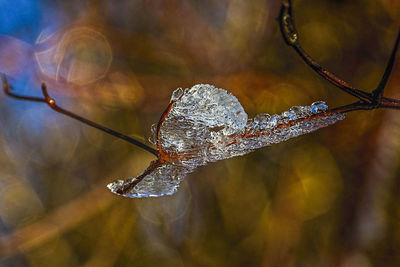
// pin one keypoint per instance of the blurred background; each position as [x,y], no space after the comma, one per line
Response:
[330,198]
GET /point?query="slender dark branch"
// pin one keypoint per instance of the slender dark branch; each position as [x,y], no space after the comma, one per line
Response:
[7,90]
[389,103]
[127,187]
[367,101]
[359,105]
[52,103]
[385,77]
[291,37]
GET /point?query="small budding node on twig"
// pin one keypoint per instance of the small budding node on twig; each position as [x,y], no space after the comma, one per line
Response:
[289,29]
[50,101]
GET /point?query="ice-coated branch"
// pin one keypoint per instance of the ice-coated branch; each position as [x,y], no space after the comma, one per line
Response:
[205,124]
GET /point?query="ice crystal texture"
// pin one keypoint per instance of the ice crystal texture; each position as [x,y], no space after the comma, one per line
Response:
[206,124]
[163,180]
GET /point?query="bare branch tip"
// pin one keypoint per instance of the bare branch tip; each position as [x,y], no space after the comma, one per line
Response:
[6,85]
[50,101]
[44,90]
[286,3]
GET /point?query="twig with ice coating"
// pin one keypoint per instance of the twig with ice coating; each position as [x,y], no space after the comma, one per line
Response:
[206,124]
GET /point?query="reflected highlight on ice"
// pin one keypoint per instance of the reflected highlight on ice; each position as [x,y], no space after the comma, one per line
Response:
[205,124]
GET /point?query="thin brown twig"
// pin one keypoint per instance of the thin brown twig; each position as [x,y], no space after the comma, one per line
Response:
[367,101]
[7,90]
[52,103]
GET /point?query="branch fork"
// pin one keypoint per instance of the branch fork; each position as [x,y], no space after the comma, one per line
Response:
[366,100]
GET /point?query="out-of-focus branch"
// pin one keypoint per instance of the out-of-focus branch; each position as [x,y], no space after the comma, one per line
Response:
[367,101]
[61,220]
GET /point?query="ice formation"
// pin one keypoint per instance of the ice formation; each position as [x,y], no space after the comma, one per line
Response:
[205,124]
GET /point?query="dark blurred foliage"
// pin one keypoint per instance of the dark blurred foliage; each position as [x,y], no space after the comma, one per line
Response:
[330,198]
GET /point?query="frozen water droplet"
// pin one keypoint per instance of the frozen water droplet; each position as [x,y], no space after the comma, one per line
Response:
[291,115]
[289,29]
[318,107]
[296,109]
[301,111]
[262,120]
[273,121]
[293,38]
[176,94]
[262,117]
[153,136]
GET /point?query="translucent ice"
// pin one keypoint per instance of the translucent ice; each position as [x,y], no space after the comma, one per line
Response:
[205,124]
[163,180]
